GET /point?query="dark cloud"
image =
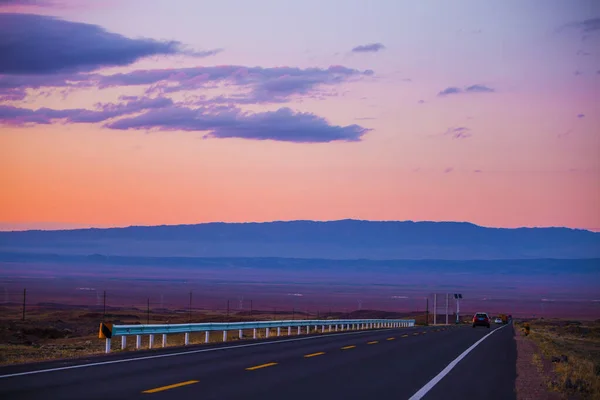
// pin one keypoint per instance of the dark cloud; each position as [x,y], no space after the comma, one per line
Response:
[580,115]
[368,48]
[217,121]
[461,132]
[22,116]
[477,88]
[259,85]
[36,44]
[450,90]
[585,26]
[281,125]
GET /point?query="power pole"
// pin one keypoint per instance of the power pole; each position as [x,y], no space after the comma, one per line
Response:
[446,308]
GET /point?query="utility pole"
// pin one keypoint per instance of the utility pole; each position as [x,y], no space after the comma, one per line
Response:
[148,312]
[446,308]
[457,296]
[24,302]
[434,308]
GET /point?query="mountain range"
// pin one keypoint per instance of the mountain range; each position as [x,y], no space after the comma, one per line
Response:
[343,239]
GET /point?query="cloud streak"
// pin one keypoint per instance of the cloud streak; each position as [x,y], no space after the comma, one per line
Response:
[215,121]
[258,85]
[368,48]
[477,88]
[281,125]
[36,44]
[461,132]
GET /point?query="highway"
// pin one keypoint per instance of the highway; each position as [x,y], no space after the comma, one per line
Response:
[420,362]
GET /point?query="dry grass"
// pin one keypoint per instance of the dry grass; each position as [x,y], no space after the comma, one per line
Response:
[58,333]
[574,349]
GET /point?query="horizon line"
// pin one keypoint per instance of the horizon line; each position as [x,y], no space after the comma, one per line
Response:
[30,227]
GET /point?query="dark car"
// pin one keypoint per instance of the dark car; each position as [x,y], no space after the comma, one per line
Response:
[481,319]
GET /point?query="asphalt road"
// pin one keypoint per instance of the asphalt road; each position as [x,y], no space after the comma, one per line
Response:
[387,363]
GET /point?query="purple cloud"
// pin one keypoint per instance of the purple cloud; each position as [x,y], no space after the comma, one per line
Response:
[20,116]
[477,88]
[450,90]
[36,44]
[280,81]
[460,132]
[448,170]
[368,48]
[259,85]
[580,115]
[281,125]
[585,26]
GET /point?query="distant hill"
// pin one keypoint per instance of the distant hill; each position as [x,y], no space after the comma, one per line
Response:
[345,239]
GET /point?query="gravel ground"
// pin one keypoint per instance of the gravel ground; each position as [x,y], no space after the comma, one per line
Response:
[532,384]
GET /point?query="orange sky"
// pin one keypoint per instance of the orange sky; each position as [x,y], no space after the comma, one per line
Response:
[531,172]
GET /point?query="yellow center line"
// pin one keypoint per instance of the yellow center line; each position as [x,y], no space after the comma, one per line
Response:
[348,347]
[404,335]
[314,354]
[163,388]
[373,342]
[261,366]
[390,338]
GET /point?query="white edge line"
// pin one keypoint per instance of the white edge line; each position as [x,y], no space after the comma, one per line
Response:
[183,353]
[429,385]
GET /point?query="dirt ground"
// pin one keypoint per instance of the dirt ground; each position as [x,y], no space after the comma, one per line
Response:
[49,333]
[559,359]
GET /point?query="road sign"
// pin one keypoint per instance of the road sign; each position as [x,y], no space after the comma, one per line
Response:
[105,331]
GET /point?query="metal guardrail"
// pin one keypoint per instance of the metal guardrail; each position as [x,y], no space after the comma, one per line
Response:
[164,329]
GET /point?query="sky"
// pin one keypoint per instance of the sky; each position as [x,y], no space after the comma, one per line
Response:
[134,112]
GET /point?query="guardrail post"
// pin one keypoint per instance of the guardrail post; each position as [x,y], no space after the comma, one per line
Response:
[164,343]
[138,341]
[187,338]
[206,336]
[224,336]
[267,332]
[107,347]
[322,328]
[329,328]
[150,341]
[254,333]
[241,334]
[289,331]
[123,342]
[299,330]
[278,331]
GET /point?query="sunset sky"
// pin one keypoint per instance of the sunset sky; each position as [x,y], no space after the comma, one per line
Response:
[138,112]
